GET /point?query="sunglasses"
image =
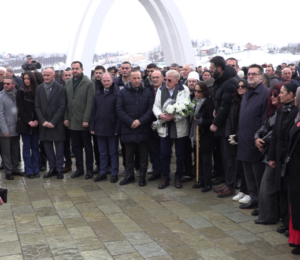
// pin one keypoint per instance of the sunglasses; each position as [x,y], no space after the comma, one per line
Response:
[274,95]
[198,91]
[169,80]
[8,84]
[243,86]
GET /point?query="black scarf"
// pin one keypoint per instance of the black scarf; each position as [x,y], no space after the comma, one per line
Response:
[288,107]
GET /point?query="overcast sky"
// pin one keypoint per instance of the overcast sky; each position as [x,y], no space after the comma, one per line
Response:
[36,26]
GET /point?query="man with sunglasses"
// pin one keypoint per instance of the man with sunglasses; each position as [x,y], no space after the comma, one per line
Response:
[253,112]
[9,138]
[174,129]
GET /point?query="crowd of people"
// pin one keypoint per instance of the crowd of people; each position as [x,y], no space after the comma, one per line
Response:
[245,123]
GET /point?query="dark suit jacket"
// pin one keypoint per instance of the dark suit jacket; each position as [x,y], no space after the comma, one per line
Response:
[51,110]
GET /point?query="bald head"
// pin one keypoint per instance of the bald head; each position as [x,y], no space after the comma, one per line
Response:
[48,75]
[287,74]
[107,80]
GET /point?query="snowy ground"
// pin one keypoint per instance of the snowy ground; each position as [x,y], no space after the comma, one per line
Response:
[249,57]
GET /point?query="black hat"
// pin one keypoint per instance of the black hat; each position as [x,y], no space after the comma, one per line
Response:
[291,86]
[29,57]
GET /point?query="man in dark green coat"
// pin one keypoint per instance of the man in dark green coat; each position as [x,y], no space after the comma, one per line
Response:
[80,92]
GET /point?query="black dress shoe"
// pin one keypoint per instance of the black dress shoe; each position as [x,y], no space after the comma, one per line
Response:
[154,177]
[37,175]
[43,168]
[50,173]
[198,185]
[282,229]
[287,233]
[296,250]
[261,222]
[142,181]
[292,245]
[128,179]
[19,173]
[255,212]
[218,181]
[238,184]
[9,177]
[96,170]
[163,183]
[60,175]
[67,169]
[177,183]
[206,189]
[89,175]
[186,179]
[251,205]
[77,174]
[100,177]
[31,176]
[114,178]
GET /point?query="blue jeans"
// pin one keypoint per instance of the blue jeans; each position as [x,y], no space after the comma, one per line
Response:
[109,146]
[31,154]
[166,144]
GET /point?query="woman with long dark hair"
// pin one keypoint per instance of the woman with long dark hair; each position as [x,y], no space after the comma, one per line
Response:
[268,209]
[27,124]
[277,149]
[232,132]
[203,117]
[293,166]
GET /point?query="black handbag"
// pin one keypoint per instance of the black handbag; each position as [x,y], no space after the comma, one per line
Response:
[3,195]
[288,158]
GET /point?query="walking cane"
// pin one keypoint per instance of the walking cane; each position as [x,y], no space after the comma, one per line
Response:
[197,185]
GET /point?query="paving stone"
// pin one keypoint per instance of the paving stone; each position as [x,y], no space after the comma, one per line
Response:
[226,224]
[137,238]
[223,208]
[119,247]
[36,251]
[84,231]
[150,250]
[56,230]
[64,241]
[198,222]
[169,240]
[132,256]
[246,255]
[32,239]
[8,236]
[198,242]
[211,215]
[274,238]
[67,254]
[243,236]
[239,217]
[213,233]
[10,248]
[49,221]
[263,248]
[229,245]
[254,228]
[214,254]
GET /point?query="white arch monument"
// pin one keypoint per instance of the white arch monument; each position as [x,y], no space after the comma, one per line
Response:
[169,23]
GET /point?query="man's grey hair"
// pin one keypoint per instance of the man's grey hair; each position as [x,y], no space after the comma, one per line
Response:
[2,68]
[173,73]
[9,69]
[50,68]
[287,68]
[108,74]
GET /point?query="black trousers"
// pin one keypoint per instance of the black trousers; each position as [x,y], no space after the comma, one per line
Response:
[10,147]
[80,140]
[284,202]
[218,163]
[67,148]
[188,160]
[136,156]
[205,168]
[43,156]
[55,159]
[240,170]
[229,162]
[96,151]
[154,154]
[131,150]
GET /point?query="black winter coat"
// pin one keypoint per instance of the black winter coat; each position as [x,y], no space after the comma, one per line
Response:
[26,112]
[98,85]
[253,112]
[278,144]
[135,104]
[205,118]
[51,110]
[225,87]
[104,119]
[294,175]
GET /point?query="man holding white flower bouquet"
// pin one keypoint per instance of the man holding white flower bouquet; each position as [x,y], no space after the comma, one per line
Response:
[172,107]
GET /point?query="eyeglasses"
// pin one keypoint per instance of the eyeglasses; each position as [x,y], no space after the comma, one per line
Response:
[198,91]
[253,74]
[274,95]
[7,84]
[169,80]
[243,86]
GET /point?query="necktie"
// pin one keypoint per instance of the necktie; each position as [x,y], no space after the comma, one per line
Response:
[105,91]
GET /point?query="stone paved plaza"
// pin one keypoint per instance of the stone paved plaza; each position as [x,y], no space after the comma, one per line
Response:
[80,219]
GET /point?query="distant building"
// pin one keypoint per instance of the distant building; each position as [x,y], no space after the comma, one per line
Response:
[252,47]
[224,51]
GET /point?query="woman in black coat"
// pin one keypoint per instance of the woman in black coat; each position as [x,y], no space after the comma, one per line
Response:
[27,125]
[231,131]
[294,181]
[203,118]
[268,209]
[277,149]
